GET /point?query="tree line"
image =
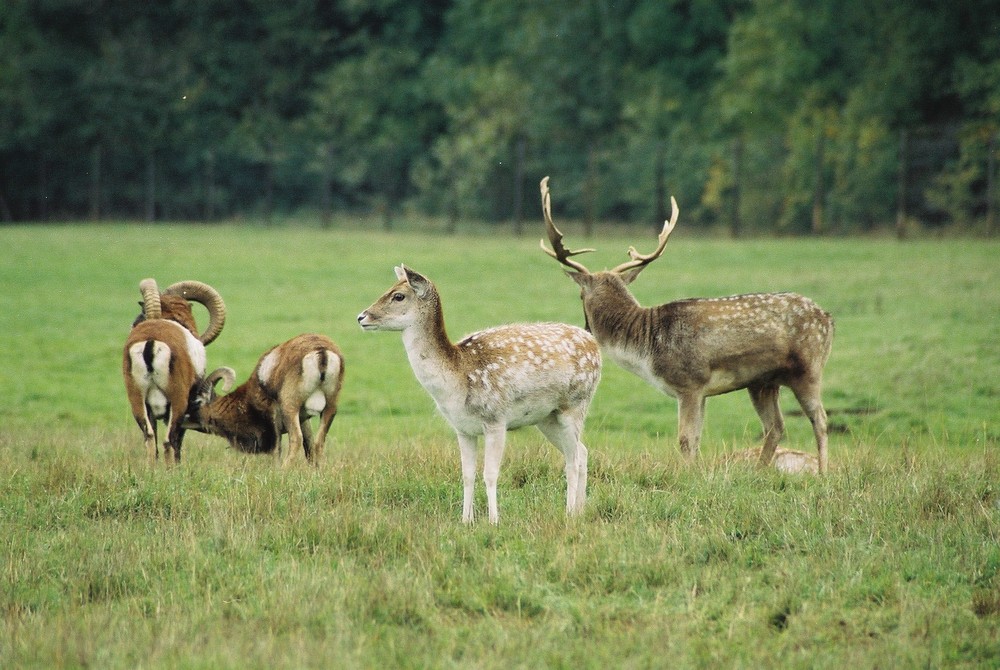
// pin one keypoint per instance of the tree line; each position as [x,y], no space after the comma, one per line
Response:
[794,116]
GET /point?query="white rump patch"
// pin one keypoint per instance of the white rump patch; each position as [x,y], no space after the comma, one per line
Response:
[310,384]
[157,403]
[315,403]
[195,349]
[266,368]
[310,372]
[153,384]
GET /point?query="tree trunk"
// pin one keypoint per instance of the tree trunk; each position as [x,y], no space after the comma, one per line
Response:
[209,204]
[660,185]
[735,222]
[901,189]
[150,187]
[991,187]
[452,208]
[43,188]
[5,212]
[819,190]
[326,187]
[590,192]
[385,209]
[268,189]
[519,154]
[95,182]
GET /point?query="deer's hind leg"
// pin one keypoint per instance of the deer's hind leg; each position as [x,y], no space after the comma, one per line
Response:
[563,430]
[690,419]
[765,401]
[494,439]
[808,391]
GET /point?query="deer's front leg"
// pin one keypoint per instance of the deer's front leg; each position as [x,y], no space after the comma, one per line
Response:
[690,417]
[467,447]
[495,436]
[765,401]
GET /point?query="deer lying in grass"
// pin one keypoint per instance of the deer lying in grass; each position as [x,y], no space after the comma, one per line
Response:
[292,382]
[789,461]
[541,374]
[695,348]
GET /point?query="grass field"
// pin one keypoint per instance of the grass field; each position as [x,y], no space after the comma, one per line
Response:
[893,560]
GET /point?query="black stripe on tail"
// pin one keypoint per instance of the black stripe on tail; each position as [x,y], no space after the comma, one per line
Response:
[323,364]
[147,354]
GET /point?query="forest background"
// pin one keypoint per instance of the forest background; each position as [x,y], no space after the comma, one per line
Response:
[774,116]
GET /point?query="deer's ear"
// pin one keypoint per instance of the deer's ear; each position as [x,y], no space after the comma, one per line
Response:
[581,278]
[629,275]
[420,284]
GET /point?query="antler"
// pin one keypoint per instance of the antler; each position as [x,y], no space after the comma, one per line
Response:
[558,251]
[641,260]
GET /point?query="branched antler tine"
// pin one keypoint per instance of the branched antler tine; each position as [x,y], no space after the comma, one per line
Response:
[639,260]
[558,251]
[661,239]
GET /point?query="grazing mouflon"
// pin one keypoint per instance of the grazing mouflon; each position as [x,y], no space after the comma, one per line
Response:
[291,383]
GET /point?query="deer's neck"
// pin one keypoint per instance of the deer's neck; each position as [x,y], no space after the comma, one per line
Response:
[432,356]
[619,322]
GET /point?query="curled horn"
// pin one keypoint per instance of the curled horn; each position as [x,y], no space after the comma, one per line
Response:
[150,298]
[227,375]
[207,296]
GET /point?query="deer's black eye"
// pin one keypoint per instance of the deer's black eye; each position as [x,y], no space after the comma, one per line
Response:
[398,297]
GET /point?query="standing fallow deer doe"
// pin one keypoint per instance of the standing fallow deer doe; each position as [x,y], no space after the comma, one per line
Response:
[541,374]
[695,348]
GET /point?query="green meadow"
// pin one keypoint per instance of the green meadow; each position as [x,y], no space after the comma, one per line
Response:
[892,560]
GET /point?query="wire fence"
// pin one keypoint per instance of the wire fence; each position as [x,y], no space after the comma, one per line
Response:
[924,178]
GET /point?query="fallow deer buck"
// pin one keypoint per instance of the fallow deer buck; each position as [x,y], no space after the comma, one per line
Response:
[695,348]
[541,374]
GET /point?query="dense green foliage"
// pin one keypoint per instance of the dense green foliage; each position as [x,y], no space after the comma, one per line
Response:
[893,560]
[781,114]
